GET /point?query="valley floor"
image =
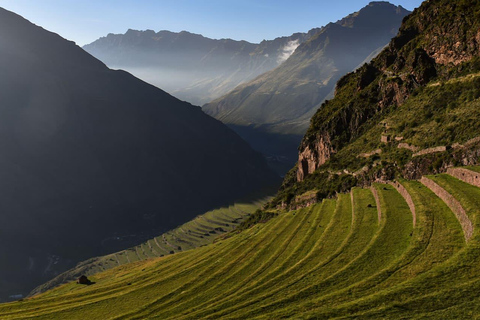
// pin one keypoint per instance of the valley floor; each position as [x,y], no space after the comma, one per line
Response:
[365,255]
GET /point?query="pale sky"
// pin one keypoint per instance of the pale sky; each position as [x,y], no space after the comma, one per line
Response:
[252,20]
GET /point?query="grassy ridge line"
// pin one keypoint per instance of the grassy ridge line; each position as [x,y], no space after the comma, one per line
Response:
[387,253]
[398,244]
[230,285]
[367,261]
[166,265]
[338,229]
[220,265]
[267,271]
[183,284]
[259,257]
[114,287]
[365,226]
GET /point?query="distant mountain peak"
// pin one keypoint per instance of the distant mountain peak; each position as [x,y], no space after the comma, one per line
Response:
[375,11]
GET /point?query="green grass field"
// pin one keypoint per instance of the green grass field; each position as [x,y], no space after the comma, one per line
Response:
[335,259]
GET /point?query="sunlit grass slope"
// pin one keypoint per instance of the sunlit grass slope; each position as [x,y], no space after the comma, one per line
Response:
[342,258]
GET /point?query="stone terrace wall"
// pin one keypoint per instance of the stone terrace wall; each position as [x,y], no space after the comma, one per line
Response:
[453,204]
[465,175]
[377,200]
[407,146]
[429,151]
[408,198]
[353,207]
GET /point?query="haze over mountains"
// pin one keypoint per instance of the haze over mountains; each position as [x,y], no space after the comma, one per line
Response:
[272,112]
[94,159]
[189,66]
[266,92]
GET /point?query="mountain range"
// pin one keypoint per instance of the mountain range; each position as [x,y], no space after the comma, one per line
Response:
[190,66]
[95,160]
[273,111]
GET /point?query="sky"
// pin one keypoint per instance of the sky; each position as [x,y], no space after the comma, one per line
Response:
[252,20]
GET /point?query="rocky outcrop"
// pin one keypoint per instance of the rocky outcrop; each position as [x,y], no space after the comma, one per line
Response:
[468,176]
[453,204]
[310,159]
[433,39]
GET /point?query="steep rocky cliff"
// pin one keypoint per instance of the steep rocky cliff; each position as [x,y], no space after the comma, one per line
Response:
[436,38]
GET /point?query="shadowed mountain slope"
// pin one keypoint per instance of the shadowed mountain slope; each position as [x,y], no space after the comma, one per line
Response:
[272,112]
[201,231]
[90,156]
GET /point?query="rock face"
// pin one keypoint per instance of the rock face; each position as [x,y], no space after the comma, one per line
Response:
[80,142]
[280,103]
[189,66]
[83,280]
[436,37]
[310,160]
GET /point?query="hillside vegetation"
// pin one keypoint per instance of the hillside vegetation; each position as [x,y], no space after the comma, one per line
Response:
[362,255]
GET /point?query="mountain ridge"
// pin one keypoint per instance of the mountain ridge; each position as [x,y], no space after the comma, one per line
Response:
[199,70]
[292,92]
[91,153]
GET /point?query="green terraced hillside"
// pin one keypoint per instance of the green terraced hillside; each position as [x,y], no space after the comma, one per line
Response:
[397,250]
[202,230]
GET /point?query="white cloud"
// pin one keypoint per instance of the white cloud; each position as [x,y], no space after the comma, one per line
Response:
[288,50]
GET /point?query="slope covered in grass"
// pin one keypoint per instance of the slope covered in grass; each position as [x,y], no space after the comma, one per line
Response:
[201,231]
[339,258]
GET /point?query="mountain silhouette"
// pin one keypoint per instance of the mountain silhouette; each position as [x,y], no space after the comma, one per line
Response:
[94,159]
